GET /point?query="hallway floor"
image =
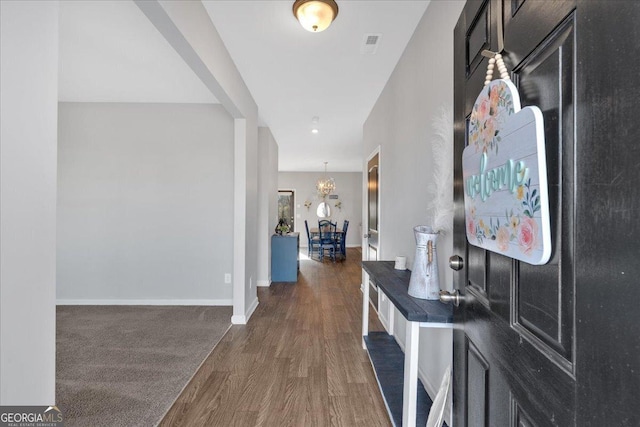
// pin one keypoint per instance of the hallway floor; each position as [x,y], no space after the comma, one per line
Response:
[298,362]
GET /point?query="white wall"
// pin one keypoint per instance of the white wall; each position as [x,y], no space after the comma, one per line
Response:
[188,28]
[348,189]
[251,222]
[28,109]
[401,124]
[145,203]
[267,201]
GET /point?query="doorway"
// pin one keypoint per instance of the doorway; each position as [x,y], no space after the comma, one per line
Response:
[371,237]
[372,207]
[287,208]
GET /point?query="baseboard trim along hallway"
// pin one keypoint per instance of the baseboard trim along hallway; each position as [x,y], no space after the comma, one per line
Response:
[207,302]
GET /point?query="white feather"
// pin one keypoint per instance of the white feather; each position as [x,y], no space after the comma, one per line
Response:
[442,186]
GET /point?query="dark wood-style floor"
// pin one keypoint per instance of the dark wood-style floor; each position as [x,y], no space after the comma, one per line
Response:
[298,362]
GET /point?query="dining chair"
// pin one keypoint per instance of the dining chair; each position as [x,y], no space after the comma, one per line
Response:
[313,241]
[327,239]
[343,239]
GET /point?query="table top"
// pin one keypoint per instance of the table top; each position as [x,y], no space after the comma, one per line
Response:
[292,234]
[395,285]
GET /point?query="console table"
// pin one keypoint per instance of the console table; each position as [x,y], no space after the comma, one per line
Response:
[382,348]
[285,257]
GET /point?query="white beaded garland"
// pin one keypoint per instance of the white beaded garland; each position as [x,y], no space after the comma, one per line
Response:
[502,68]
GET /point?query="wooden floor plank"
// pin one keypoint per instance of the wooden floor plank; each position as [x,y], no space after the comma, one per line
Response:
[298,362]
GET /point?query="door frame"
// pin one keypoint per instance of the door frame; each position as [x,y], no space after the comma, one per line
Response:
[373,289]
[365,204]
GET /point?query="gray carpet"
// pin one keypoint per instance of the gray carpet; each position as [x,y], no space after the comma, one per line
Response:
[125,365]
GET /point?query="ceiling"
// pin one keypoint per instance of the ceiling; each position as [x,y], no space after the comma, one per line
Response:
[110,52]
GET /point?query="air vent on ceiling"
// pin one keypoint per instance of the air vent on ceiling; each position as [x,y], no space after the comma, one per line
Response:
[370,43]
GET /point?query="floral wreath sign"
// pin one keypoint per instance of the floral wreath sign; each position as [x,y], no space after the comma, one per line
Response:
[505,176]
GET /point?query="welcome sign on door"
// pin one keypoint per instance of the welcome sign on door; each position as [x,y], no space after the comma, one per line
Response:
[505,177]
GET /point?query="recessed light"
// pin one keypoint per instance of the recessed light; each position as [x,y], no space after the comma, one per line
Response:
[314,124]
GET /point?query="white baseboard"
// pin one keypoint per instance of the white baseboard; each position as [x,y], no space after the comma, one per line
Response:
[240,319]
[210,302]
[263,283]
[252,308]
[384,322]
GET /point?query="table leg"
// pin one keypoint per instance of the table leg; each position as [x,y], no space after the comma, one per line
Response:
[365,306]
[391,317]
[410,394]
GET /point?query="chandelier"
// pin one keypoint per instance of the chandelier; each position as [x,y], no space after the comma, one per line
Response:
[326,185]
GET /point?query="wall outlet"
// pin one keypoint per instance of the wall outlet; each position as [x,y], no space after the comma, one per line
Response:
[227,278]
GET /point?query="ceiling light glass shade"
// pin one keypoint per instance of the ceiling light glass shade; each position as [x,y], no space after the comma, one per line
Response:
[315,15]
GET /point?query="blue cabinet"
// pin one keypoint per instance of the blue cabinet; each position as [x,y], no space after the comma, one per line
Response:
[284,257]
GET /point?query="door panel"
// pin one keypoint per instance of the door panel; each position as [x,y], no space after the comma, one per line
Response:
[477,261]
[478,387]
[543,311]
[478,36]
[518,28]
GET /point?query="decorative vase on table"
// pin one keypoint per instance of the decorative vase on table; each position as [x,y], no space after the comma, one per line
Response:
[424,283]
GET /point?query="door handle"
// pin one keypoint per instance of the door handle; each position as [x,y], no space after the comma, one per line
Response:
[456,262]
[367,235]
[451,297]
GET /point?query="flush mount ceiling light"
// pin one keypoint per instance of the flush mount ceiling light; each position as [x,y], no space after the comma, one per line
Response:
[315,15]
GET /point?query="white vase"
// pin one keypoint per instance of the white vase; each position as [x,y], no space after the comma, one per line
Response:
[424,283]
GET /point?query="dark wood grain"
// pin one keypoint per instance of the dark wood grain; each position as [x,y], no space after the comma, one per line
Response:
[395,283]
[388,361]
[298,362]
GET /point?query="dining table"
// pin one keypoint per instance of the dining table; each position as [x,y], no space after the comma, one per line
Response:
[316,231]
